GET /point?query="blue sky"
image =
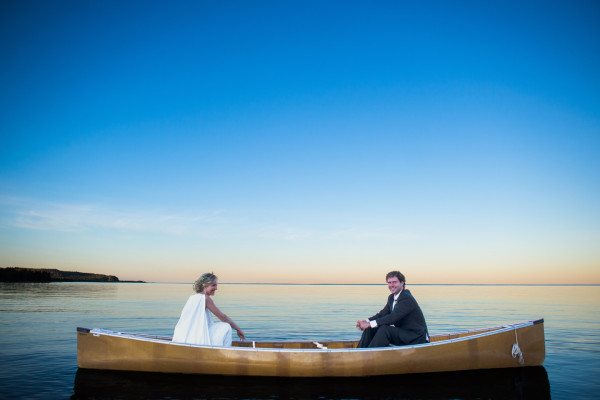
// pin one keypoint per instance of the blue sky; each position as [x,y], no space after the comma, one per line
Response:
[302,141]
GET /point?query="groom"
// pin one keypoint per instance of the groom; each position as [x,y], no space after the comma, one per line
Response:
[400,322]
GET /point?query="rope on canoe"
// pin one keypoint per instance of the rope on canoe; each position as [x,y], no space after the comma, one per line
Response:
[516,350]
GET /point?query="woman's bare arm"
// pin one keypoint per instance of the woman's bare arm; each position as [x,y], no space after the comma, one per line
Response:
[210,304]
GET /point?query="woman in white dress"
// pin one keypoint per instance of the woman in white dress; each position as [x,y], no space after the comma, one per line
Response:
[196,325]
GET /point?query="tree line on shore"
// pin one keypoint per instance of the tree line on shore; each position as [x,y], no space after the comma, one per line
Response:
[15,274]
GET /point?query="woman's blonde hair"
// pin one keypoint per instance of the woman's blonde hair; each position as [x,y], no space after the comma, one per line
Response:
[205,280]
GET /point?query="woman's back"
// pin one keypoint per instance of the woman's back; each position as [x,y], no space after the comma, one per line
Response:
[196,326]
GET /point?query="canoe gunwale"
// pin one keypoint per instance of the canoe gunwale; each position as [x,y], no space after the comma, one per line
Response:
[166,340]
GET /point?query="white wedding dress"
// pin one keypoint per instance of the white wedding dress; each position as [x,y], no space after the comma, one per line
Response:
[196,325]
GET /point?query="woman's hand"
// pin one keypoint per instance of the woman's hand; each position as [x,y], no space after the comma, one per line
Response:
[240,333]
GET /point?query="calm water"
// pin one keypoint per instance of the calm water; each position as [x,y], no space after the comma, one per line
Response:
[38,340]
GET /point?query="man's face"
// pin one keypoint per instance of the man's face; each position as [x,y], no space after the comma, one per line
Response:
[395,285]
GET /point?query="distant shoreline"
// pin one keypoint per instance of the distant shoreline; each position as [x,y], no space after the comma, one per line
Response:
[42,275]
[384,284]
[45,275]
[412,284]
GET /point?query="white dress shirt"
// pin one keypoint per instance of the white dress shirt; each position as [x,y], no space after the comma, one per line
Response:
[374,323]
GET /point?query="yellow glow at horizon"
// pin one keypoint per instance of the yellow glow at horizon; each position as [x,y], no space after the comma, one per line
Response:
[374,275]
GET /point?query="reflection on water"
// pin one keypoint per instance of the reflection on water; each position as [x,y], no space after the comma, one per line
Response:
[511,383]
[38,339]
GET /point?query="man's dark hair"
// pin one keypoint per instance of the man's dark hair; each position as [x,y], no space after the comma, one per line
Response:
[396,274]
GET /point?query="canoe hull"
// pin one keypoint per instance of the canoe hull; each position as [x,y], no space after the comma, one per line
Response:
[491,349]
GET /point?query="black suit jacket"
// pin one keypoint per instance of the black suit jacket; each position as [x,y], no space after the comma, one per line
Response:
[407,316]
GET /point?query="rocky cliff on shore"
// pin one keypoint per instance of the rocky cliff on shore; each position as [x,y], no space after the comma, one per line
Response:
[12,274]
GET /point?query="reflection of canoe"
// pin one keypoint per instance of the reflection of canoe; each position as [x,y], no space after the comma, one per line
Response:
[506,383]
[499,347]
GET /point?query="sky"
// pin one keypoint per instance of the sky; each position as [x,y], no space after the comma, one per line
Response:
[302,142]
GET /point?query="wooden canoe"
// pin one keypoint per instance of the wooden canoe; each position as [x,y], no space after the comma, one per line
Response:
[515,345]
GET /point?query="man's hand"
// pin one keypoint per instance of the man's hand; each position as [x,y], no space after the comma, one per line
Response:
[362,325]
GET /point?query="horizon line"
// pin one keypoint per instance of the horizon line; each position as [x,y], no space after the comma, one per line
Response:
[379,284]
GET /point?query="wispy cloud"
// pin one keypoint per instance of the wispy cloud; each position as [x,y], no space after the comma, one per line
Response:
[369,233]
[26,213]
[64,217]
[281,232]
[356,233]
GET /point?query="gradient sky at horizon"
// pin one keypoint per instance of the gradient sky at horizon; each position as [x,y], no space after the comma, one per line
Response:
[302,142]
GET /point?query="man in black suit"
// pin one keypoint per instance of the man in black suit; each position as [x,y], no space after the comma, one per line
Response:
[400,322]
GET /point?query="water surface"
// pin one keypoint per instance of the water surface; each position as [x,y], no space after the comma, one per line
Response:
[38,338]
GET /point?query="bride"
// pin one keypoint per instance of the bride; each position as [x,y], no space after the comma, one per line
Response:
[196,325]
